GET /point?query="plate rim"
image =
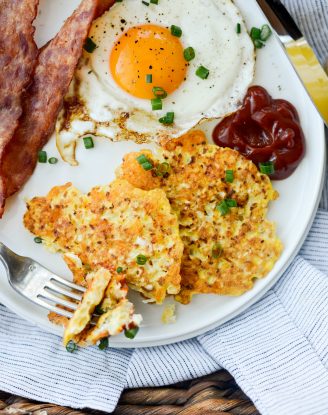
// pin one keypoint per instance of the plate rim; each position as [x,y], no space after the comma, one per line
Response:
[174,338]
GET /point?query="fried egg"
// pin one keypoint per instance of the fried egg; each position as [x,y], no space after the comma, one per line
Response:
[134,48]
[228,241]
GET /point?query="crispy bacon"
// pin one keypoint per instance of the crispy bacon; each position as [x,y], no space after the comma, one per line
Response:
[103,5]
[18,54]
[43,99]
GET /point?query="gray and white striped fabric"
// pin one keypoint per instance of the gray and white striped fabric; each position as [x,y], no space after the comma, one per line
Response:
[277,350]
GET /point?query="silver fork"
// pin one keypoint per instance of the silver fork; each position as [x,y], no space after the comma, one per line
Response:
[39,285]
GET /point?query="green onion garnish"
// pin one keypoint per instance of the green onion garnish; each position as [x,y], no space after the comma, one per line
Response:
[167,119]
[88,142]
[189,54]
[141,259]
[149,78]
[258,44]
[255,33]
[202,72]
[159,92]
[89,45]
[229,176]
[103,344]
[266,32]
[231,203]
[99,311]
[145,3]
[223,208]
[53,160]
[119,270]
[162,169]
[267,167]
[147,166]
[156,104]
[131,333]
[71,347]
[144,162]
[154,1]
[142,159]
[38,240]
[217,251]
[238,28]
[42,156]
[176,31]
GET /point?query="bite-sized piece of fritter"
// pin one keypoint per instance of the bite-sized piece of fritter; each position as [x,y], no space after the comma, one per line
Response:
[117,227]
[221,201]
[103,285]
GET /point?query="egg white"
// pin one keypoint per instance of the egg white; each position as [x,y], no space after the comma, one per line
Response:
[104,109]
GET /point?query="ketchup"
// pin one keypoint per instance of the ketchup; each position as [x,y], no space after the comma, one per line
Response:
[264,129]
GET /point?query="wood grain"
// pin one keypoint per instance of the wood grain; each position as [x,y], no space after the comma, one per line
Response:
[217,394]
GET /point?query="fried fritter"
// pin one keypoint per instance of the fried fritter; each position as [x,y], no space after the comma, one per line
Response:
[228,242]
[114,226]
[108,291]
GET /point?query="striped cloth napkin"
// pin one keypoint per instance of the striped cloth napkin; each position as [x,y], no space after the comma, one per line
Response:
[277,350]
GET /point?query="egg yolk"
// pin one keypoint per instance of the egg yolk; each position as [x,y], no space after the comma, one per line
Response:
[148,50]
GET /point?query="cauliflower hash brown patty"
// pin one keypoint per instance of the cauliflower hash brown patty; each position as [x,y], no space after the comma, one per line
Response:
[228,242]
[116,227]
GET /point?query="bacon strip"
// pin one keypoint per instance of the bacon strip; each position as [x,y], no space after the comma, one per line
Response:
[18,56]
[42,102]
[103,5]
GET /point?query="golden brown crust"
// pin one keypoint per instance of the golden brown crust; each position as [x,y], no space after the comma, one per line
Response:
[109,228]
[195,187]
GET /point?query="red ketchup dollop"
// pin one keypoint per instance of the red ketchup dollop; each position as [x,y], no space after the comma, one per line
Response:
[264,129]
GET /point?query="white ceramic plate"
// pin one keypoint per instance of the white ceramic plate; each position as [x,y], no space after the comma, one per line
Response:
[293,212]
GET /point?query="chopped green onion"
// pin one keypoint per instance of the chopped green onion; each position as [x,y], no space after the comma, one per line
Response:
[154,1]
[229,176]
[99,311]
[144,162]
[88,142]
[238,28]
[189,54]
[223,208]
[89,45]
[159,92]
[167,119]
[142,159]
[71,347]
[149,78]
[141,259]
[145,3]
[156,104]
[53,160]
[231,203]
[103,344]
[162,169]
[202,72]
[258,44]
[119,1]
[255,33]
[119,270]
[217,251]
[131,333]
[42,156]
[38,240]
[267,167]
[176,31]
[266,32]
[147,166]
